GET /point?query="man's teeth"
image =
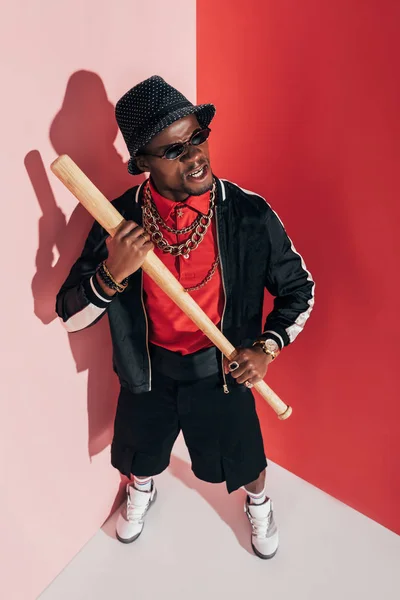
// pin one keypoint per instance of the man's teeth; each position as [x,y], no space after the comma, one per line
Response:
[197,173]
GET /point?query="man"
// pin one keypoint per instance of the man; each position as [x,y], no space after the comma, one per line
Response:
[225,245]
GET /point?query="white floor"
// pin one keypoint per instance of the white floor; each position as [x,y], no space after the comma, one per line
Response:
[195,546]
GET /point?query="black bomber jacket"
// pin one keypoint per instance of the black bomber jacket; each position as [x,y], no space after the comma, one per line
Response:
[255,253]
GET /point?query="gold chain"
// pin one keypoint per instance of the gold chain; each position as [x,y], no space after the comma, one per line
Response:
[158,218]
[151,218]
[151,227]
[206,278]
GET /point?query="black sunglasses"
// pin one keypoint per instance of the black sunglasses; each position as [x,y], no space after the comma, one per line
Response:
[174,151]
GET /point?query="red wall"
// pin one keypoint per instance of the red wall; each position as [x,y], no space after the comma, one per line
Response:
[308,101]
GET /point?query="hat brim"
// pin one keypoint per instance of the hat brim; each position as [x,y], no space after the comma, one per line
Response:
[204,113]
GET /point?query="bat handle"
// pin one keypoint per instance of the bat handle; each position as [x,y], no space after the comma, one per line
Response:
[282,410]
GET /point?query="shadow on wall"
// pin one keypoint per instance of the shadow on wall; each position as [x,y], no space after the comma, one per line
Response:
[85,129]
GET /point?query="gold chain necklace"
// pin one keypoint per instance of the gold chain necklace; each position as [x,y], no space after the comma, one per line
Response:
[151,218]
[151,226]
[206,279]
[160,220]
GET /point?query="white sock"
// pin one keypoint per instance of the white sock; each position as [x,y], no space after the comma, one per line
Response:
[143,485]
[259,498]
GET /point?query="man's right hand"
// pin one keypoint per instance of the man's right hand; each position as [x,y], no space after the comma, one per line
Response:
[127,250]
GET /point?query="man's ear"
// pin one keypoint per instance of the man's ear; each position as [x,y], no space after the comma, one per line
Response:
[142,163]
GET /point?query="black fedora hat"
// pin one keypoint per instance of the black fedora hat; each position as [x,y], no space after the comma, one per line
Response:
[150,107]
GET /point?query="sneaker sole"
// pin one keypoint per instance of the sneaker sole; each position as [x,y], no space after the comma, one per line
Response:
[263,556]
[135,537]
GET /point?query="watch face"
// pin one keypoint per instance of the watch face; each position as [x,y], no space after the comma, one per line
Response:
[271,346]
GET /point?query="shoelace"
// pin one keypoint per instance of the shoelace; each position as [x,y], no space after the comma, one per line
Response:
[134,513]
[259,526]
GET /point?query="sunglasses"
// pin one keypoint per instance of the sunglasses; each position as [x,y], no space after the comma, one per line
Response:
[174,151]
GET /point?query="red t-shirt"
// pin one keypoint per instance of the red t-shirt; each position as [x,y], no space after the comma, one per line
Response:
[169,327]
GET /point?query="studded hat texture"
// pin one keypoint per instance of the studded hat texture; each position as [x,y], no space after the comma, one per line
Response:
[150,107]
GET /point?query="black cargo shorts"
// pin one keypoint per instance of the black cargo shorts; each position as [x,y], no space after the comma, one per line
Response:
[222,431]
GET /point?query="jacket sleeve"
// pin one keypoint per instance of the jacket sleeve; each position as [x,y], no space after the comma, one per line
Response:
[289,281]
[81,301]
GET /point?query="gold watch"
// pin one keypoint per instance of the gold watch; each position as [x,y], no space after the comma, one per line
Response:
[268,346]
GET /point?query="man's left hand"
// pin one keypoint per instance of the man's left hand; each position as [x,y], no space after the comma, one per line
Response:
[253,365]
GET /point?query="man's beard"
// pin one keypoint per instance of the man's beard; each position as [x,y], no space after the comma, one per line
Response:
[198,190]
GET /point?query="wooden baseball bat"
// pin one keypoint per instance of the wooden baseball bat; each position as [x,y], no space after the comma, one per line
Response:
[110,219]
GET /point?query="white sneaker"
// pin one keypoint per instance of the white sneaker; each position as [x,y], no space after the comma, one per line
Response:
[130,521]
[264,535]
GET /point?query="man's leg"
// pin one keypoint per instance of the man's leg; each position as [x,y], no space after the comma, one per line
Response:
[146,427]
[143,484]
[224,439]
[258,507]
[140,495]
[258,486]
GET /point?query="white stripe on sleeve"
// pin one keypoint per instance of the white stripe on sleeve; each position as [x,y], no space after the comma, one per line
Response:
[103,298]
[83,318]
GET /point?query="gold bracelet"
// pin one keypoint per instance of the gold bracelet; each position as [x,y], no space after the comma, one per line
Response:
[120,286]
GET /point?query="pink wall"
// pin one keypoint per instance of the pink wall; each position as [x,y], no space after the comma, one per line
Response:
[308,99]
[65,67]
